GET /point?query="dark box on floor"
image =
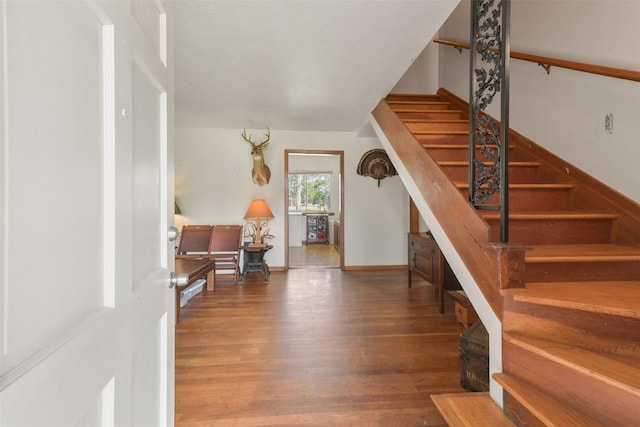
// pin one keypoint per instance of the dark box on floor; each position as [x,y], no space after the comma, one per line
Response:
[474,358]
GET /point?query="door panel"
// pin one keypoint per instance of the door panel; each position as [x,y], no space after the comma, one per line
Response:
[147,155]
[151,19]
[87,321]
[54,152]
[146,366]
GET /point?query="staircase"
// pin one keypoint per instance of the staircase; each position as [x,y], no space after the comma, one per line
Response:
[567,286]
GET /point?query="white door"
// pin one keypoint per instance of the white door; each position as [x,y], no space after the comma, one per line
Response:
[87,318]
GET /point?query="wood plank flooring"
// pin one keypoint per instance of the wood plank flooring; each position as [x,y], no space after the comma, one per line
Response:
[314,256]
[318,347]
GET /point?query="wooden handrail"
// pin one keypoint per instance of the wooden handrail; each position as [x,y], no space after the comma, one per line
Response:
[546,63]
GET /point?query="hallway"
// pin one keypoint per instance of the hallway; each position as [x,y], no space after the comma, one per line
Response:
[314,256]
[315,347]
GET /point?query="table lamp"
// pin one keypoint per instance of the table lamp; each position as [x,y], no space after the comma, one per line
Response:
[257,218]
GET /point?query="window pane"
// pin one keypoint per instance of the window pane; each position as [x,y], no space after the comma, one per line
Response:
[310,191]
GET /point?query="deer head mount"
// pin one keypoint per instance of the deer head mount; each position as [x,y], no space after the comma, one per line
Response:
[261,172]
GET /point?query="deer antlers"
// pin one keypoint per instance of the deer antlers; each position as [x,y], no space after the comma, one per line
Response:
[261,172]
[253,144]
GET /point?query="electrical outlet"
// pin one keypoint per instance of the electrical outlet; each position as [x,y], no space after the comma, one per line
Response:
[608,123]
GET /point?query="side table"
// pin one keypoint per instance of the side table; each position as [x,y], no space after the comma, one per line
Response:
[254,262]
[196,268]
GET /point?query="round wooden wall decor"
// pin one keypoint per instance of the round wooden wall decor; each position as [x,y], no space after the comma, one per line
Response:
[376,164]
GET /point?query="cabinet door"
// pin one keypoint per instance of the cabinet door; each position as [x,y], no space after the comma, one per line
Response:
[424,258]
[423,264]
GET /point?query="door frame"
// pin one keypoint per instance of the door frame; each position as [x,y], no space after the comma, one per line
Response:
[341,243]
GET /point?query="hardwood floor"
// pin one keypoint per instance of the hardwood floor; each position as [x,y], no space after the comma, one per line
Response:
[314,256]
[317,347]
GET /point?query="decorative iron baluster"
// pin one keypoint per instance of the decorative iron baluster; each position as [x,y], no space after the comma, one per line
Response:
[488,139]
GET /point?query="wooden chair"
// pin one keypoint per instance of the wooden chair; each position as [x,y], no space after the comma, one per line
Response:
[224,246]
[194,241]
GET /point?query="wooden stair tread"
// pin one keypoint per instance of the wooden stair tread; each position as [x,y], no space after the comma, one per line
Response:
[412,95]
[435,146]
[528,186]
[555,215]
[435,121]
[611,371]
[415,99]
[466,163]
[426,99]
[415,109]
[614,298]
[547,409]
[582,253]
[414,106]
[470,410]
[440,132]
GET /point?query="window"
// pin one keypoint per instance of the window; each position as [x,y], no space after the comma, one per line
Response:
[309,191]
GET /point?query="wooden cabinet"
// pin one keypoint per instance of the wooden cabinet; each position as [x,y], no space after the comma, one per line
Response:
[426,260]
[317,228]
[422,257]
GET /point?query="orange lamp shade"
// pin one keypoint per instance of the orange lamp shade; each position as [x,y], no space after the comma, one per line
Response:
[258,209]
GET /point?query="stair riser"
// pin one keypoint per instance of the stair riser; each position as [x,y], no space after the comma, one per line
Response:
[394,99]
[610,404]
[430,115]
[437,126]
[517,175]
[433,106]
[615,336]
[520,415]
[527,406]
[549,232]
[460,141]
[448,155]
[581,271]
[458,153]
[532,200]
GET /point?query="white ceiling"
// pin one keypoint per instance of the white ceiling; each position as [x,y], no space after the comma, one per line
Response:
[314,65]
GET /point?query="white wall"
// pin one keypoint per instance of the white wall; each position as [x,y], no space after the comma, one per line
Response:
[565,111]
[214,186]
[422,76]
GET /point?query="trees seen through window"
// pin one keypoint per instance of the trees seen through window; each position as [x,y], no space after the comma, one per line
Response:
[309,191]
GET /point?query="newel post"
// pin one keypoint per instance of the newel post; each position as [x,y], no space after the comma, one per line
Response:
[510,264]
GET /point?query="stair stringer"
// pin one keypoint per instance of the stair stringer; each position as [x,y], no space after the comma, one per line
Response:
[416,188]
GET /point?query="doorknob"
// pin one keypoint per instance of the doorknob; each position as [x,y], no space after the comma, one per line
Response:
[178,279]
[172,233]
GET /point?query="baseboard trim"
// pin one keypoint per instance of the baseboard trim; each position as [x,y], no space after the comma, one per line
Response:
[374,267]
[354,268]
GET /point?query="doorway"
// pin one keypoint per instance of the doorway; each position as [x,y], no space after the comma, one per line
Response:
[314,203]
